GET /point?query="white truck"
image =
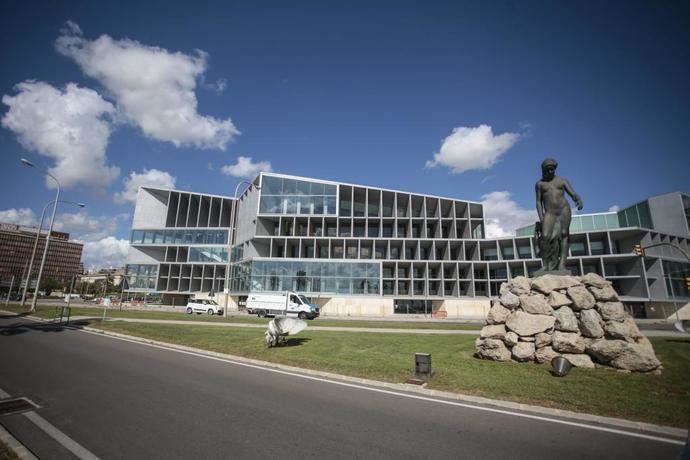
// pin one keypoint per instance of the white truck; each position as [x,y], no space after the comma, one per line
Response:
[289,303]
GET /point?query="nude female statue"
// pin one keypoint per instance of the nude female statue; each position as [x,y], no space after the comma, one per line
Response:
[554,216]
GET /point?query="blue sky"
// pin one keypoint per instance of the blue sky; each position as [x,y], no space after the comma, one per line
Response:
[459,99]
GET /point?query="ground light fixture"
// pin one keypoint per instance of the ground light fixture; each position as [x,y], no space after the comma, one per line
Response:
[560,366]
[422,365]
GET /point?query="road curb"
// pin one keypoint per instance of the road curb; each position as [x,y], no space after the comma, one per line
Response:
[577,416]
[15,446]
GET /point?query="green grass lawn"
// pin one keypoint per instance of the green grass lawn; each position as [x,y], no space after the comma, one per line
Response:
[662,399]
[48,312]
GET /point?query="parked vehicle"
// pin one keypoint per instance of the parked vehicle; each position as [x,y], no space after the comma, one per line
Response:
[200,306]
[287,303]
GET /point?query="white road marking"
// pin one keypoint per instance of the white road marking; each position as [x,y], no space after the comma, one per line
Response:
[64,440]
[67,442]
[406,395]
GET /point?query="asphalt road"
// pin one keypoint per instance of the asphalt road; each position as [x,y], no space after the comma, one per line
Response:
[119,399]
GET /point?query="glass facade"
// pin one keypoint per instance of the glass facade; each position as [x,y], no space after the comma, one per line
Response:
[357,278]
[675,274]
[636,216]
[291,196]
[141,276]
[174,237]
[217,254]
[584,223]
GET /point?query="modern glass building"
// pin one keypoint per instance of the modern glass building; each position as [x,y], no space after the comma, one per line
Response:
[359,250]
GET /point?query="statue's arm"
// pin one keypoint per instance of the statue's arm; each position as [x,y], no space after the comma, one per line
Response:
[540,205]
[576,198]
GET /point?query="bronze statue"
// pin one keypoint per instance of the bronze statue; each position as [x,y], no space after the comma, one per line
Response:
[553,229]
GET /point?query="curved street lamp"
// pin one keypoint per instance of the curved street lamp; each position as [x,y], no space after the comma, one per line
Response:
[33,252]
[50,230]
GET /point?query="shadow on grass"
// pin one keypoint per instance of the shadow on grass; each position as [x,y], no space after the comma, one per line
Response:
[684,341]
[296,342]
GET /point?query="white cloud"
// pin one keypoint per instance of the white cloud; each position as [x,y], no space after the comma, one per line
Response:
[149,178]
[245,168]
[21,216]
[84,227]
[105,253]
[472,148]
[72,127]
[503,216]
[614,208]
[153,87]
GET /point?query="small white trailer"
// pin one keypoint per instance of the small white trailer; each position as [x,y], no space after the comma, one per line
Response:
[286,303]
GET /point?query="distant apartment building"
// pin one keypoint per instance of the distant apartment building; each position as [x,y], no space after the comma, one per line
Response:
[16,245]
[361,250]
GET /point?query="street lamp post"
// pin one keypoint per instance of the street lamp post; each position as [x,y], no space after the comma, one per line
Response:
[231,237]
[50,230]
[33,252]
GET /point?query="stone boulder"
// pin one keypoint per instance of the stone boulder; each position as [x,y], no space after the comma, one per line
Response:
[547,283]
[557,300]
[535,304]
[565,320]
[520,285]
[496,331]
[498,314]
[525,324]
[581,297]
[637,356]
[622,330]
[568,342]
[523,351]
[511,339]
[542,339]
[611,311]
[606,294]
[591,324]
[592,279]
[545,355]
[492,349]
[510,300]
[579,360]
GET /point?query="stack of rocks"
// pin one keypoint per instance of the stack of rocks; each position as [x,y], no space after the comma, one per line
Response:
[579,318]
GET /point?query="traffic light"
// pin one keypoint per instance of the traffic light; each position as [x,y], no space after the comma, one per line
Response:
[639,251]
[687,281]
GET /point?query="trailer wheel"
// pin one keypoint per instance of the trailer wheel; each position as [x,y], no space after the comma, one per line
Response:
[302,315]
[261,313]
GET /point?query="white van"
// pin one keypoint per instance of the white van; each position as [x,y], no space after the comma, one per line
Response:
[204,306]
[289,303]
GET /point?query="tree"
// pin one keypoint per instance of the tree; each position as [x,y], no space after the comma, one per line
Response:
[50,285]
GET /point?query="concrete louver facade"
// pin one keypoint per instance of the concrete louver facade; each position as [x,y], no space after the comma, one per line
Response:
[359,250]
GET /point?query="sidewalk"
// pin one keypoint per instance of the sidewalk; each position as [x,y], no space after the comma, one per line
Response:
[648,333]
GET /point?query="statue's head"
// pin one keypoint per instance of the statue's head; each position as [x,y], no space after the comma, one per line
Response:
[548,168]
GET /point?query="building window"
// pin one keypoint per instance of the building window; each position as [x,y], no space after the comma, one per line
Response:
[489,254]
[577,248]
[292,196]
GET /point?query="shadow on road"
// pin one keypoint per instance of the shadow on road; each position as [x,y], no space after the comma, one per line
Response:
[21,328]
